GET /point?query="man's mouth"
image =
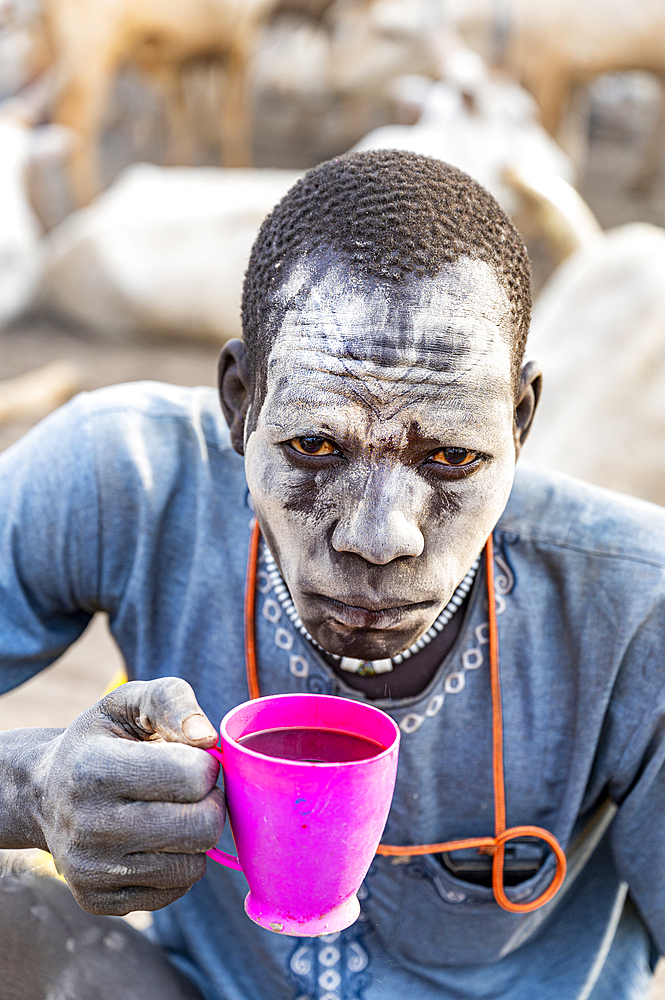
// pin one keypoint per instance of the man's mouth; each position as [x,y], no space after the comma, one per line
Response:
[358,615]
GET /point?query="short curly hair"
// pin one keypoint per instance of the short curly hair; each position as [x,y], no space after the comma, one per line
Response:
[392,216]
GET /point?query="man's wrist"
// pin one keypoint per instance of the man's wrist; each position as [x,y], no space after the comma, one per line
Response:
[24,765]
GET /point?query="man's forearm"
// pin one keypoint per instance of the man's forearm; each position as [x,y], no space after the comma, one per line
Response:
[24,756]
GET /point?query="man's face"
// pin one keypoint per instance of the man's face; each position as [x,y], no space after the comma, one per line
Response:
[383,454]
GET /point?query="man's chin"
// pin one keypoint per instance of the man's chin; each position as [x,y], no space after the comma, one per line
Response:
[364,644]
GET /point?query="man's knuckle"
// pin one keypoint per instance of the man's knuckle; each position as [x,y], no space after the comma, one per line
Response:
[193,775]
[183,869]
[209,824]
[169,689]
[75,869]
[155,899]
[115,703]
[112,904]
[90,774]
[89,897]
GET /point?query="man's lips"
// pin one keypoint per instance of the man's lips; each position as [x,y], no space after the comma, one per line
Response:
[361,616]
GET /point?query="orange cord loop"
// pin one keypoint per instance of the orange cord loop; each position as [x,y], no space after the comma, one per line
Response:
[497,868]
[495,845]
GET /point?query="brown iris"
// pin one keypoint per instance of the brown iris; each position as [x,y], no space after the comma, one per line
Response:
[317,446]
[454,456]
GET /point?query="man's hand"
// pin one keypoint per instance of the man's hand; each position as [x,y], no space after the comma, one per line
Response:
[126,803]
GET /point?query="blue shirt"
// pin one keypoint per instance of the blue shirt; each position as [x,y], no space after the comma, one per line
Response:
[131,500]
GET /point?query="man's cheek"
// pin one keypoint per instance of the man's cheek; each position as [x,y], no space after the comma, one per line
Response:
[484,495]
[258,467]
[313,500]
[267,479]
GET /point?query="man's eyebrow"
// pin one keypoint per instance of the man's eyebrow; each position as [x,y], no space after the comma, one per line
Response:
[380,388]
[327,417]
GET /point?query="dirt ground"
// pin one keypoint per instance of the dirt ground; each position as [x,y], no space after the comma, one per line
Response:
[78,679]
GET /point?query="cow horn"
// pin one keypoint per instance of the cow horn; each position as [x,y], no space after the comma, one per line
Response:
[559,210]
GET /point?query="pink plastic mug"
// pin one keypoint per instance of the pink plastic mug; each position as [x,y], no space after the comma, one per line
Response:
[305,832]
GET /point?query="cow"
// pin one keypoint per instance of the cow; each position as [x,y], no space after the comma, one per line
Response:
[90,42]
[554,49]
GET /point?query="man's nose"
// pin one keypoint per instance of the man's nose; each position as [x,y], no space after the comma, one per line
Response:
[381,525]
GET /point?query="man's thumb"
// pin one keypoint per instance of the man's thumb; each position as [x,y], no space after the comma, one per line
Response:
[166,707]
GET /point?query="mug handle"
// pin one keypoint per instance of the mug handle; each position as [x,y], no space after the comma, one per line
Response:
[221,856]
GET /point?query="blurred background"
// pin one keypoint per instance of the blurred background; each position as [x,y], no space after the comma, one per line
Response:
[143,141]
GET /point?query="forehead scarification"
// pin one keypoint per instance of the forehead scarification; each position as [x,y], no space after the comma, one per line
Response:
[387,349]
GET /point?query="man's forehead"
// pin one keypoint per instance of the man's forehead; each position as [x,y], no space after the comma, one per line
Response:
[333,324]
[338,312]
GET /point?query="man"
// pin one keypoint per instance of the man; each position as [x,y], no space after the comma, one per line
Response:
[379,401]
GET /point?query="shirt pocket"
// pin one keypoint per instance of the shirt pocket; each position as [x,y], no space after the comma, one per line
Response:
[444,920]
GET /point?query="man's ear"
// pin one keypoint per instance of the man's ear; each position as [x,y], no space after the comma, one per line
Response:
[234,390]
[528,394]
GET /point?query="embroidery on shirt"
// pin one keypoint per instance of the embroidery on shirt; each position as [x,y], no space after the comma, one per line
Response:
[333,967]
[472,657]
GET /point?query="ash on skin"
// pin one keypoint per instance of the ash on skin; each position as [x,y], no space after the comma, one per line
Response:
[384,451]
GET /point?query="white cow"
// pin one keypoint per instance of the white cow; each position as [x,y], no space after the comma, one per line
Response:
[164,250]
[598,330]
[555,47]
[20,252]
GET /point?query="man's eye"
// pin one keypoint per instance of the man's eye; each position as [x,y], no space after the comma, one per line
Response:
[313,446]
[454,456]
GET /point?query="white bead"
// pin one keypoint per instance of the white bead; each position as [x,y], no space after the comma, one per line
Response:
[350,664]
[382,666]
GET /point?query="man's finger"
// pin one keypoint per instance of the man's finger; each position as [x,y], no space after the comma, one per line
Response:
[148,871]
[169,827]
[148,772]
[165,707]
[127,899]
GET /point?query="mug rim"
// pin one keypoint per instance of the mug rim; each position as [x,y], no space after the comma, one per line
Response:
[305,763]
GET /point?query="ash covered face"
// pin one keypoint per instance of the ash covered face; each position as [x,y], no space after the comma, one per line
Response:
[384,451]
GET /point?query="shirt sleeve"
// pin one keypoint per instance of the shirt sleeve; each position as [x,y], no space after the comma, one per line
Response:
[637,783]
[49,542]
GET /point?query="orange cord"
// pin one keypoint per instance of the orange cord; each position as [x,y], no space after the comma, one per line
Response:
[250,612]
[495,683]
[488,845]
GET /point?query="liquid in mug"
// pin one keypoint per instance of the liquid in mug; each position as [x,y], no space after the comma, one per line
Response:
[311,745]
